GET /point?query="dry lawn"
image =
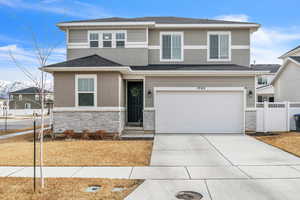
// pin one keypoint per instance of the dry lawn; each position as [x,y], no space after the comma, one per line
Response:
[289,142]
[18,151]
[65,189]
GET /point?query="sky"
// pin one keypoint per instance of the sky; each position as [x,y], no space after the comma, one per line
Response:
[23,22]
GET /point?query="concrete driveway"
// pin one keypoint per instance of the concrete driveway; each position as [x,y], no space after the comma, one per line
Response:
[220,167]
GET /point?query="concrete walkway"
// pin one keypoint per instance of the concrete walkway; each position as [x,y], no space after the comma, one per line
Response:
[220,167]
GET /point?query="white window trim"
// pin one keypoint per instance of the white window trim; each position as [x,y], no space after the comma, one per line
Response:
[20,97]
[208,45]
[182,46]
[100,38]
[77,76]
[26,105]
[37,97]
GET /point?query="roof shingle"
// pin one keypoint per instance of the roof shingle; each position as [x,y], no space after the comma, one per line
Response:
[30,90]
[87,61]
[162,20]
[272,68]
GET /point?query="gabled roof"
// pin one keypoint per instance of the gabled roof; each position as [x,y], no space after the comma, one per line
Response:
[294,50]
[272,68]
[87,61]
[30,90]
[161,20]
[210,67]
[294,59]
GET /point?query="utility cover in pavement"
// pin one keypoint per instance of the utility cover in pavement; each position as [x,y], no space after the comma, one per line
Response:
[93,188]
[189,195]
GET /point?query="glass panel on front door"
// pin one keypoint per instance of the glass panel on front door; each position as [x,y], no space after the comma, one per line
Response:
[135,102]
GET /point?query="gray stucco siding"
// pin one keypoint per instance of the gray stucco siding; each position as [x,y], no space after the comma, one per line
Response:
[81,35]
[199,36]
[199,56]
[154,81]
[107,88]
[124,56]
[136,35]
[78,36]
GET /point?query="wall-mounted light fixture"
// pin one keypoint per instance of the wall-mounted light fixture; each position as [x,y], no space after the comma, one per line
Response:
[149,93]
[250,93]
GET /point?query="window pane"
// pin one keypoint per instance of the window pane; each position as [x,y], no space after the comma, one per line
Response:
[214,46]
[94,44]
[107,43]
[224,46]
[166,46]
[176,47]
[120,36]
[86,99]
[85,84]
[120,44]
[107,36]
[94,36]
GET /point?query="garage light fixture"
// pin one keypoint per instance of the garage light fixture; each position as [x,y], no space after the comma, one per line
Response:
[149,93]
[250,93]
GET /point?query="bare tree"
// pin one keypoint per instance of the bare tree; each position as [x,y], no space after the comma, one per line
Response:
[42,55]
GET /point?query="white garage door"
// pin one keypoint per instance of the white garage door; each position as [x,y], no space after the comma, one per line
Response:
[192,110]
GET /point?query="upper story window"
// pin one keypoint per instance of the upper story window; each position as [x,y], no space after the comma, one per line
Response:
[219,46]
[86,90]
[20,97]
[171,46]
[120,40]
[36,97]
[107,39]
[94,39]
[262,80]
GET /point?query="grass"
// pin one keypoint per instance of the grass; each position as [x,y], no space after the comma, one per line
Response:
[18,151]
[289,141]
[65,189]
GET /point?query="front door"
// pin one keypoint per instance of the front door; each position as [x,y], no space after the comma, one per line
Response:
[135,103]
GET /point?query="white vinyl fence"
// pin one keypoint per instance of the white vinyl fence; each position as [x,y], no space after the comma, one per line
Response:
[277,116]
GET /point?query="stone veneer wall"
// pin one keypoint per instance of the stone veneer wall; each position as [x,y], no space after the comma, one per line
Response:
[251,120]
[111,121]
[149,120]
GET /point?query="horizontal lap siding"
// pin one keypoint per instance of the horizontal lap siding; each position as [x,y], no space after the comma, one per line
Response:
[152,82]
[107,89]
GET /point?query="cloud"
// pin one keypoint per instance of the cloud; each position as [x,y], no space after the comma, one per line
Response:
[270,43]
[238,17]
[71,8]
[27,58]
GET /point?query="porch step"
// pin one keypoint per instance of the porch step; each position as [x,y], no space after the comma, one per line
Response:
[135,136]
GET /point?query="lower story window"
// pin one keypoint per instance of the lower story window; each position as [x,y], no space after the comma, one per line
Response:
[86,90]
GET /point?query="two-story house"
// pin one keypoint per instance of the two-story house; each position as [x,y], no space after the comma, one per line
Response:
[158,74]
[28,98]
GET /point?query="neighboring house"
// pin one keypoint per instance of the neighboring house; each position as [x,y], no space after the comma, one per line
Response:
[3,105]
[157,74]
[265,91]
[29,98]
[287,79]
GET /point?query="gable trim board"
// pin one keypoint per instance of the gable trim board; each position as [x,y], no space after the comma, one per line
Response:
[289,53]
[278,73]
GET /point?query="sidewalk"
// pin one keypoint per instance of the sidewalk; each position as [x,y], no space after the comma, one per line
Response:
[15,134]
[162,173]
